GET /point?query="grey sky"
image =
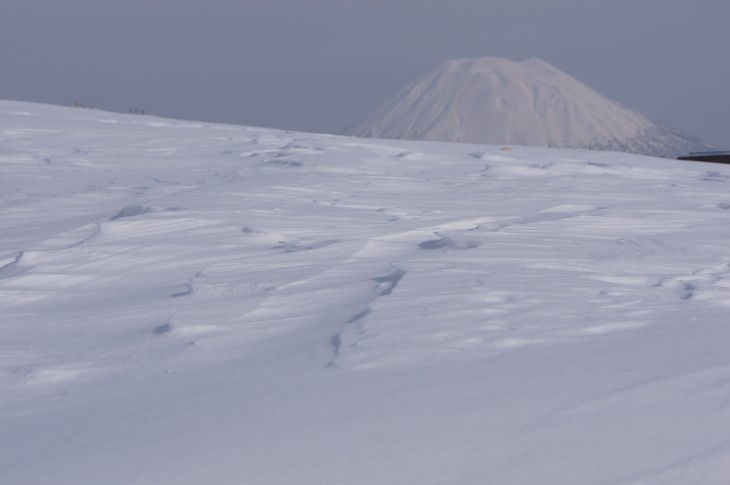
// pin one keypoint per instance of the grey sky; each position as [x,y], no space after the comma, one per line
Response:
[321,65]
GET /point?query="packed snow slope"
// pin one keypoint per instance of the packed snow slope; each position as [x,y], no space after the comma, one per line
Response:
[502,101]
[187,303]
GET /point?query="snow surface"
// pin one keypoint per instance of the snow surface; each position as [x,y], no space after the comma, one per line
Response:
[187,303]
[530,102]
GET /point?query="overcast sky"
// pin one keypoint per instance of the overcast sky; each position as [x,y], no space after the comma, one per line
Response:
[321,65]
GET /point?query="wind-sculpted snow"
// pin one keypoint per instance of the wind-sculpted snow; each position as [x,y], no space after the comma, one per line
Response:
[131,211]
[188,303]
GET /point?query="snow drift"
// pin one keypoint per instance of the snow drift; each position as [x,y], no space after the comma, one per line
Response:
[186,303]
[501,101]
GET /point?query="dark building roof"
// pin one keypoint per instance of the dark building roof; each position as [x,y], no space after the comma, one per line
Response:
[717,157]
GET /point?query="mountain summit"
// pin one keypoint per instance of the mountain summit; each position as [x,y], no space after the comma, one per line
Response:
[501,101]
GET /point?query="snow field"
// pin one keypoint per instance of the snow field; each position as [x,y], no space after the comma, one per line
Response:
[193,303]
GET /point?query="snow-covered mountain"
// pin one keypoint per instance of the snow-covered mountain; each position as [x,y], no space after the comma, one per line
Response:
[501,101]
[186,303]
